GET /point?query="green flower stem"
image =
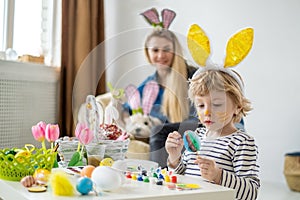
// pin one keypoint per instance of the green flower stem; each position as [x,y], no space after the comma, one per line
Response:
[81,152]
[44,146]
[78,148]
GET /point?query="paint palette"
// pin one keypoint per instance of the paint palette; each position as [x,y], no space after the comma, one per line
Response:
[134,165]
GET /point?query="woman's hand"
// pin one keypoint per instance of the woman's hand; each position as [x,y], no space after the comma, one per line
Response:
[174,145]
[209,169]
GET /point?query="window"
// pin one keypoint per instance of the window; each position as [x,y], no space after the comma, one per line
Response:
[31,27]
[27,27]
[1,25]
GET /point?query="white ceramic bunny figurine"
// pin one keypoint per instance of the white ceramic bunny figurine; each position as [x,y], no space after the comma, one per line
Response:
[111,110]
[91,113]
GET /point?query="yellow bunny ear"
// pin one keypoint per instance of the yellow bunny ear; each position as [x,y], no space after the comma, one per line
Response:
[198,44]
[238,47]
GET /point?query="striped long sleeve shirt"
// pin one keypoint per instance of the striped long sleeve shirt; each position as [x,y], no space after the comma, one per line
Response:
[236,154]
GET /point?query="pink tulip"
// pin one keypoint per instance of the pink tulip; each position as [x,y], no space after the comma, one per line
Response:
[42,124]
[38,131]
[84,134]
[52,132]
[79,128]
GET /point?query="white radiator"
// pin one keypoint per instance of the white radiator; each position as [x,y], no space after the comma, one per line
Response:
[29,93]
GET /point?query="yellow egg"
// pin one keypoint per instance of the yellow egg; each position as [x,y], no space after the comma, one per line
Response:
[41,175]
[21,155]
[106,162]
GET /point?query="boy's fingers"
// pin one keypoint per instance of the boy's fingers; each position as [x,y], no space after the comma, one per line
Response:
[204,160]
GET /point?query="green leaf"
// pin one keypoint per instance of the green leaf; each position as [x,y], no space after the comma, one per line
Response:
[79,163]
[55,164]
[75,159]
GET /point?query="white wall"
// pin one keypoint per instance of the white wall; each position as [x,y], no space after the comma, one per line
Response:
[270,71]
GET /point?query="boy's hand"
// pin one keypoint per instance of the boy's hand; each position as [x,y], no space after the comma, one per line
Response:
[209,169]
[174,145]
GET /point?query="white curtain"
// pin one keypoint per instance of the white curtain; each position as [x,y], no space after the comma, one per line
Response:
[51,35]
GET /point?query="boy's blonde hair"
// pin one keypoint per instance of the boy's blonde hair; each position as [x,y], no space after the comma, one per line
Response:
[220,80]
[175,103]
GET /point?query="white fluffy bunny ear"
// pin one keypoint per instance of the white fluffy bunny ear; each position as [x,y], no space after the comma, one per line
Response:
[134,98]
[150,93]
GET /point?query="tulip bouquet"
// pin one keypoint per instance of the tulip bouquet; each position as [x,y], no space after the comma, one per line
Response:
[42,131]
[85,136]
[50,132]
[17,163]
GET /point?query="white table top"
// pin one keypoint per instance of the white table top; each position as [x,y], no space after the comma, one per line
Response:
[131,189]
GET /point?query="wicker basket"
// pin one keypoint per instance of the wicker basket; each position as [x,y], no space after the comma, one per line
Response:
[67,146]
[292,170]
[14,169]
[115,149]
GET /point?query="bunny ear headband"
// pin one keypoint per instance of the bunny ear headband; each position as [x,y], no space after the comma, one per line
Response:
[150,93]
[238,47]
[152,17]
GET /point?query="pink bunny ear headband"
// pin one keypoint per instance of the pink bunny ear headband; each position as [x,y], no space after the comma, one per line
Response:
[238,47]
[150,93]
[152,17]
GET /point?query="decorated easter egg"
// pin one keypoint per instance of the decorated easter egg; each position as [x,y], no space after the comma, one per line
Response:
[28,181]
[87,171]
[41,176]
[191,141]
[84,185]
[22,154]
[107,178]
[106,162]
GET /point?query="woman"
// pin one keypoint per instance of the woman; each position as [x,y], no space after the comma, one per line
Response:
[164,52]
[171,106]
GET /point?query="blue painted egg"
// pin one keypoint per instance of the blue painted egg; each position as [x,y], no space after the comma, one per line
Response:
[84,185]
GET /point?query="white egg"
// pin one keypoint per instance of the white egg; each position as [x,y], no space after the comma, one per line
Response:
[107,178]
